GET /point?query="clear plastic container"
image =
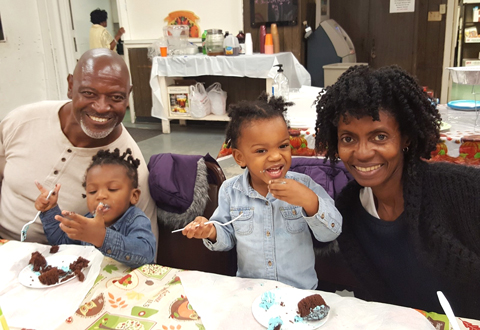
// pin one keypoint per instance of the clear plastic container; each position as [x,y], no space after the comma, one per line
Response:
[177,37]
[231,45]
[280,86]
[214,42]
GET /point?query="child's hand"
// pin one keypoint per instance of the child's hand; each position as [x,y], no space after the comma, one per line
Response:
[42,204]
[295,193]
[197,229]
[84,229]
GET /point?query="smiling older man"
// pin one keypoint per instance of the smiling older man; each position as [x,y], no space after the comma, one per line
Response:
[54,141]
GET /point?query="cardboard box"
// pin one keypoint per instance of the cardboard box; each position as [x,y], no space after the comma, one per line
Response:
[470,62]
[179,100]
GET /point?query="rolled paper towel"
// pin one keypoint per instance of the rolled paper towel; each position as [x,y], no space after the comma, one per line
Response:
[276,38]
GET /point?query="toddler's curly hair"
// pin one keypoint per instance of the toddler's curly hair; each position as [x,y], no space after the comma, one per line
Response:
[104,157]
[245,112]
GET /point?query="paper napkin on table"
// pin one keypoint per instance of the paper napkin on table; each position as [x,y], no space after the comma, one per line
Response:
[42,308]
[224,302]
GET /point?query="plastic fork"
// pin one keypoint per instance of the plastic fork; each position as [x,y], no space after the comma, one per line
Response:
[448,310]
[213,221]
[23,234]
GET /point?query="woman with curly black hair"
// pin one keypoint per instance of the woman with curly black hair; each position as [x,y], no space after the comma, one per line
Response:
[410,227]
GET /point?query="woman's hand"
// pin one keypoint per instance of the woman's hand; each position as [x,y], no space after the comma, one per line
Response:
[42,203]
[84,229]
[295,193]
[198,229]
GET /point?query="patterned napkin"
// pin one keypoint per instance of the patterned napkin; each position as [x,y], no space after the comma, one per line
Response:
[42,308]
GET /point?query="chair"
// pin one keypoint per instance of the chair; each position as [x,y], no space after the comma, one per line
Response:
[177,251]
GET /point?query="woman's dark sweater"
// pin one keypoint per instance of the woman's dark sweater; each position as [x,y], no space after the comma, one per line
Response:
[435,241]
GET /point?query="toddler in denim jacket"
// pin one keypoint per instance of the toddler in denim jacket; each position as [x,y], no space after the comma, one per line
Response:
[114,225]
[276,209]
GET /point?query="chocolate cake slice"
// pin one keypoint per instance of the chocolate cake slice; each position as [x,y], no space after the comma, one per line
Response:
[37,261]
[313,308]
[50,277]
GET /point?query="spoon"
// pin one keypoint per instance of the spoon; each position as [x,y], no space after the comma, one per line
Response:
[213,221]
[448,310]
[23,234]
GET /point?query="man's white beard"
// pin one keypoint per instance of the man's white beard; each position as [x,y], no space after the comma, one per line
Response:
[96,135]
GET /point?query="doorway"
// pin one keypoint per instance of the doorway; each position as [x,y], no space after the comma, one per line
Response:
[80,13]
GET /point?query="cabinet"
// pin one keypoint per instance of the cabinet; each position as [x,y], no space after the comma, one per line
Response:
[468,47]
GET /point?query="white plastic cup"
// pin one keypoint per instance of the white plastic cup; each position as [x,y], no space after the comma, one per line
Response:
[248,44]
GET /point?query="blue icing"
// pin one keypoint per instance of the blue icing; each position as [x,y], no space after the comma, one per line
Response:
[273,322]
[267,300]
[317,313]
[298,319]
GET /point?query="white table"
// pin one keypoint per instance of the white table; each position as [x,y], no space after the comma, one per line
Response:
[165,69]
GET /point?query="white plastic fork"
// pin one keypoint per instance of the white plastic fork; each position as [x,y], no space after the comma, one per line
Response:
[23,234]
[448,310]
[213,221]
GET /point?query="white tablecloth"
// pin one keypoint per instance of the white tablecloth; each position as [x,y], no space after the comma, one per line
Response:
[252,66]
[214,297]
[44,308]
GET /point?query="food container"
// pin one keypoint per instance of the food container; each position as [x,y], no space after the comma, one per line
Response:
[231,45]
[214,42]
[177,37]
[179,100]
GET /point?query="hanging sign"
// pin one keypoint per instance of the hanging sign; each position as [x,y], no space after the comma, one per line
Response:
[402,6]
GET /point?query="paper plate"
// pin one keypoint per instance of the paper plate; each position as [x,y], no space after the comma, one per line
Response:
[29,278]
[463,105]
[285,307]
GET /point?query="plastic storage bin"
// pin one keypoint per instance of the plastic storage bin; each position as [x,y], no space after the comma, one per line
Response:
[331,72]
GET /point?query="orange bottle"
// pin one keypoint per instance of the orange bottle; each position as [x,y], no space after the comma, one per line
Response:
[268,44]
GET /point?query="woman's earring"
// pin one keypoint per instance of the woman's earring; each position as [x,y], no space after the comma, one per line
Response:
[405,150]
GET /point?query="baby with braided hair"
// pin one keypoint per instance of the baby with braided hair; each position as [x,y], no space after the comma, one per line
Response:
[277,208]
[114,224]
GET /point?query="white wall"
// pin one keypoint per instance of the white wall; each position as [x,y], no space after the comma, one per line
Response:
[81,10]
[34,62]
[144,19]
[38,53]
[22,64]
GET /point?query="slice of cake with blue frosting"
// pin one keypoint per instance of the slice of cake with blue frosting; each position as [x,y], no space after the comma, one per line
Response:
[313,308]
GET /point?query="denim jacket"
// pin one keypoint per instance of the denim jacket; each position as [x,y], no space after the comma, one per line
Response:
[272,237]
[130,240]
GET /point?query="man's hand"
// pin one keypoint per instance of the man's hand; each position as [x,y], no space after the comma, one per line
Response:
[42,204]
[295,193]
[84,229]
[197,229]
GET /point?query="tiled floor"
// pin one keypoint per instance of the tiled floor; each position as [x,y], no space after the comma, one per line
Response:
[197,138]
